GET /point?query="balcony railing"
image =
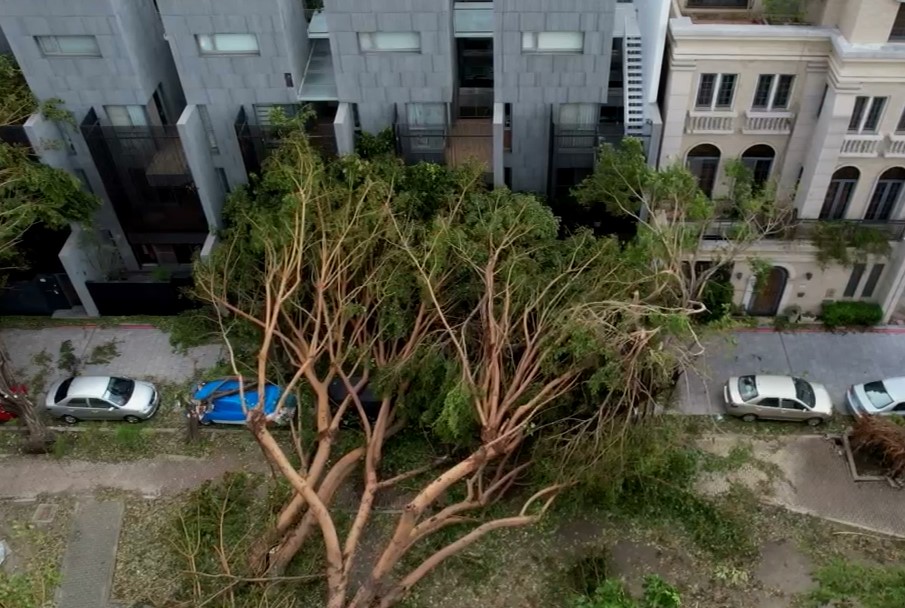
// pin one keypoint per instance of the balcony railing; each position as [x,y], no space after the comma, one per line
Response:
[800,229]
[710,122]
[257,141]
[319,81]
[146,176]
[861,146]
[317,23]
[778,123]
[467,141]
[895,146]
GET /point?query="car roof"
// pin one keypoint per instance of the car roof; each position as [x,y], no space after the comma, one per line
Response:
[775,386]
[88,386]
[895,387]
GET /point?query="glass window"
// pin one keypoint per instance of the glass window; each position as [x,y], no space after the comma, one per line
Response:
[886,195]
[804,391]
[62,390]
[703,162]
[77,402]
[391,42]
[228,44]
[208,128]
[725,90]
[854,280]
[900,128]
[119,390]
[747,387]
[897,34]
[877,394]
[68,46]
[783,91]
[553,42]
[715,91]
[127,116]
[99,404]
[872,279]
[759,160]
[768,402]
[706,86]
[762,93]
[866,114]
[839,193]
[899,408]
[791,404]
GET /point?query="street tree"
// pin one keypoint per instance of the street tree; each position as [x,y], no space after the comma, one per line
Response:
[467,316]
[31,193]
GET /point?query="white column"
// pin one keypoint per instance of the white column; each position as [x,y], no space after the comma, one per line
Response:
[679,86]
[344,129]
[499,134]
[813,86]
[822,157]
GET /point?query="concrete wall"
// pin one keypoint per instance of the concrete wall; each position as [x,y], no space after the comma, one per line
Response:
[225,84]
[4,44]
[536,84]
[196,147]
[381,82]
[653,18]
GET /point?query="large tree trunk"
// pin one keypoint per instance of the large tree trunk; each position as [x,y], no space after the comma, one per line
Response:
[15,398]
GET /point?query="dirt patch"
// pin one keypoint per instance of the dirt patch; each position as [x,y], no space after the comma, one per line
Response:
[783,570]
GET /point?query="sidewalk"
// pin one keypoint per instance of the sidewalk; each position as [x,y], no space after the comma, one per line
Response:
[87,573]
[836,360]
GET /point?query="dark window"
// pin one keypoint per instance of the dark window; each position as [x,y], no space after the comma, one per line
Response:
[62,390]
[873,116]
[759,160]
[899,408]
[897,34]
[826,89]
[783,91]
[705,90]
[717,4]
[857,113]
[119,390]
[762,93]
[724,94]
[703,161]
[747,387]
[853,280]
[886,195]
[839,193]
[866,114]
[872,279]
[77,402]
[99,404]
[877,394]
[791,404]
[804,391]
[769,402]
[901,126]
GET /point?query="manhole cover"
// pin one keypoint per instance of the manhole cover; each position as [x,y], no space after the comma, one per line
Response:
[44,514]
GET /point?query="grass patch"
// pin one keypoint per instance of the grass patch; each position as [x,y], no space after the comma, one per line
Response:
[871,586]
[131,437]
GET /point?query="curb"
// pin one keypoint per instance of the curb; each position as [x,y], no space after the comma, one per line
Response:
[887,329]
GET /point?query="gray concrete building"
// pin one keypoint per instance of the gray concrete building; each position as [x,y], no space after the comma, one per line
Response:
[174,98]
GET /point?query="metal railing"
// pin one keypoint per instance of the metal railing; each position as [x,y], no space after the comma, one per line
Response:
[801,229]
[257,141]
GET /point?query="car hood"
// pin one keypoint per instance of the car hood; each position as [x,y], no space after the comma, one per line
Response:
[864,401]
[142,397]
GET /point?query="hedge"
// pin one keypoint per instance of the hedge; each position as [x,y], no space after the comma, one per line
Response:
[845,314]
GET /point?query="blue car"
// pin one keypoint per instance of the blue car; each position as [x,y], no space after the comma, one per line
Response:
[219,401]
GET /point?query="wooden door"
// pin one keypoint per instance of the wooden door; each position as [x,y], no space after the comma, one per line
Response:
[765,302]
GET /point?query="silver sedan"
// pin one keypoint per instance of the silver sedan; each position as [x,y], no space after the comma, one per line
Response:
[102,398]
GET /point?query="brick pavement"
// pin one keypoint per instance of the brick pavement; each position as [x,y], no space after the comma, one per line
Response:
[87,573]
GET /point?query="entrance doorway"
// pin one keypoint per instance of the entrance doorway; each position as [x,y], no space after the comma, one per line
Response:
[765,302]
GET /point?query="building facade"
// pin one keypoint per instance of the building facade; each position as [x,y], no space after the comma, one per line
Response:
[173,99]
[812,101]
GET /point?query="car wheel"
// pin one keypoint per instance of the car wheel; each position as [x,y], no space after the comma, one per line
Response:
[132,419]
[749,418]
[815,421]
[205,422]
[69,419]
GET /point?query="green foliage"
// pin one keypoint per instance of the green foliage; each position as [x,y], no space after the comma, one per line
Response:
[850,314]
[130,437]
[717,296]
[103,353]
[456,423]
[67,360]
[161,274]
[370,146]
[783,11]
[761,269]
[847,583]
[191,328]
[16,99]
[611,594]
[847,242]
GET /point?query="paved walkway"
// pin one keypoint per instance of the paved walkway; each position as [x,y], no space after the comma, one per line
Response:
[87,573]
[836,360]
[144,352]
[28,477]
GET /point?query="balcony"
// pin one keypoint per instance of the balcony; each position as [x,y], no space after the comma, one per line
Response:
[710,122]
[319,81]
[742,12]
[861,146]
[146,176]
[803,229]
[895,146]
[768,123]
[473,19]
[317,21]
[258,138]
[468,140]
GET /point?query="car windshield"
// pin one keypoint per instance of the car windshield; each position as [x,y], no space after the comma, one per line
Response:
[804,391]
[747,388]
[119,390]
[62,390]
[877,394]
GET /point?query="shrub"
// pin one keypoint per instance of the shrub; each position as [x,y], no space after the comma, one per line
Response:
[846,314]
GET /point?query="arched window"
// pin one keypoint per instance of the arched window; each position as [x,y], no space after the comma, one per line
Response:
[886,195]
[759,159]
[839,193]
[703,161]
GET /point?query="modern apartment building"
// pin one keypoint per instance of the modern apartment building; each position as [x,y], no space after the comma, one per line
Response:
[813,100]
[173,98]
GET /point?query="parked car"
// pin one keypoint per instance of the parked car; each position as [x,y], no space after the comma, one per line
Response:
[102,398]
[5,415]
[878,397]
[220,401]
[777,398]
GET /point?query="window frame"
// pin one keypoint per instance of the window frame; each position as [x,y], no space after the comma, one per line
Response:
[778,400]
[854,280]
[130,110]
[840,184]
[374,48]
[873,279]
[770,105]
[212,37]
[534,47]
[858,123]
[885,197]
[45,41]
[718,83]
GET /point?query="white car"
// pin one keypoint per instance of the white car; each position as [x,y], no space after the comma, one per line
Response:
[878,397]
[777,398]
